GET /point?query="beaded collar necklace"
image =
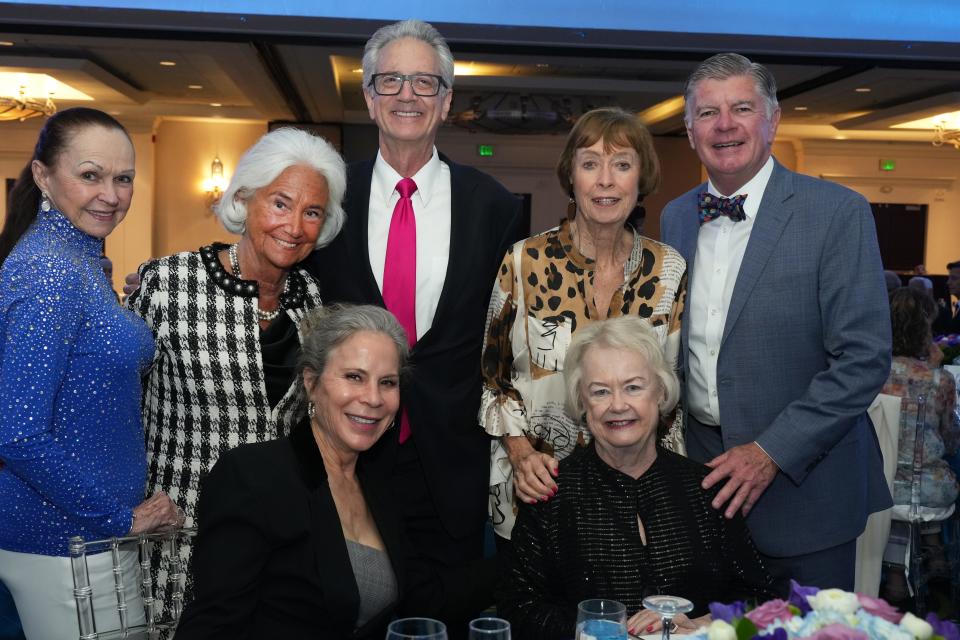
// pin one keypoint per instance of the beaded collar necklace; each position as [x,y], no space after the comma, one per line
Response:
[262,316]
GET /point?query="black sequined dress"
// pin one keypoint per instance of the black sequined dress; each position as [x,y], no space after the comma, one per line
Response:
[585,543]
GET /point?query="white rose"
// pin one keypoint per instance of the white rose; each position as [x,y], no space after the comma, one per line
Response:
[917,627]
[837,600]
[720,630]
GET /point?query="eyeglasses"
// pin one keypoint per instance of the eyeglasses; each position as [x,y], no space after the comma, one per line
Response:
[423,84]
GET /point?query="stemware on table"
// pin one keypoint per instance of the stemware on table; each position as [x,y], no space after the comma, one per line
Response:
[601,619]
[416,629]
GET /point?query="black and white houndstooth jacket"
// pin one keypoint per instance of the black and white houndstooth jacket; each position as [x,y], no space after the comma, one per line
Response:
[206,393]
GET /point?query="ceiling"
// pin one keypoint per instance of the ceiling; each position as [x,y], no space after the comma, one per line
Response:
[306,70]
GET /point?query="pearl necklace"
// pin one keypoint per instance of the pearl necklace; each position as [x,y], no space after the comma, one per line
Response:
[262,316]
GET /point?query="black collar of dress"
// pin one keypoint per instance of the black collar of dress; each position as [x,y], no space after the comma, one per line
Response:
[292,298]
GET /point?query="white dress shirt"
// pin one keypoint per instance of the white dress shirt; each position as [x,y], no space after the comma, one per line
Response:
[431,207]
[720,247]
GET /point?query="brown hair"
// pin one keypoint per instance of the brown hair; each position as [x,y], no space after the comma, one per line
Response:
[56,134]
[911,313]
[617,128]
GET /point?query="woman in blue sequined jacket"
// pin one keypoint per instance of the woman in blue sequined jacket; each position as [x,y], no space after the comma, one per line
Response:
[71,359]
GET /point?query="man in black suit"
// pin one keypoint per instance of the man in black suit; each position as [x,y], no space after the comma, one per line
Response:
[439,461]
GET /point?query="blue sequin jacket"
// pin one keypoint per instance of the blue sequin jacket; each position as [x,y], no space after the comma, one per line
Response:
[71,359]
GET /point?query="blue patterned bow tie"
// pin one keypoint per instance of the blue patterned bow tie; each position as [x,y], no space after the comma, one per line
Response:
[712,207]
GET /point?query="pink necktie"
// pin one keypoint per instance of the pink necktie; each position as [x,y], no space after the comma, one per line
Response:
[400,273]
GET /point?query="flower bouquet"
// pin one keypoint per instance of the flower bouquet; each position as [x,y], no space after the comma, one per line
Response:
[828,614]
[950,345]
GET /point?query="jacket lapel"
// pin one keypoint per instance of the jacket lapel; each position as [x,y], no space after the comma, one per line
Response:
[771,220]
[461,192]
[357,208]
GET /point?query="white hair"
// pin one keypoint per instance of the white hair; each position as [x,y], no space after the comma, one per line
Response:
[624,333]
[268,158]
[416,29]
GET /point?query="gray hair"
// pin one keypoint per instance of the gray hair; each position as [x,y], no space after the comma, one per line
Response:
[416,29]
[729,65]
[892,280]
[326,328]
[921,284]
[272,154]
[629,333]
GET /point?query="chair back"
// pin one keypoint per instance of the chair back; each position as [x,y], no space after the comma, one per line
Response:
[83,590]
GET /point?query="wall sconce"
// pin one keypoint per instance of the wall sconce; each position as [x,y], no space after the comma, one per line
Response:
[216,183]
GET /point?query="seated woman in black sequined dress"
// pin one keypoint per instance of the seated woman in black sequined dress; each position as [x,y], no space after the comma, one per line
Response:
[630,518]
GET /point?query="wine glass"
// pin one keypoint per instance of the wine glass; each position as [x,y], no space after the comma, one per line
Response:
[489,629]
[601,619]
[416,629]
[667,607]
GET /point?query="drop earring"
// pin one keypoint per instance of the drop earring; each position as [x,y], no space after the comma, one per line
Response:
[45,205]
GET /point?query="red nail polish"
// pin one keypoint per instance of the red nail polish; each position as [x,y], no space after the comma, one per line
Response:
[554,491]
[649,627]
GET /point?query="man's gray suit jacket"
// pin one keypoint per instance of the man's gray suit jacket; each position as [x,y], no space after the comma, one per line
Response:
[804,351]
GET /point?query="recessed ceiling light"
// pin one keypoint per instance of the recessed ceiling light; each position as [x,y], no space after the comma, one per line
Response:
[216,104]
[194,86]
[114,113]
[6,43]
[167,63]
[862,89]
[800,108]
[358,70]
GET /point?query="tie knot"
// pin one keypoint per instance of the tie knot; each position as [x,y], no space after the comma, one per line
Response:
[712,207]
[406,187]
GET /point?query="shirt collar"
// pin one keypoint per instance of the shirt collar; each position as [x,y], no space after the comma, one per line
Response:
[385,178]
[753,189]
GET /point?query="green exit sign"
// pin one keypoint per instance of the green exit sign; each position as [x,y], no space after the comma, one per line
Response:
[888,165]
[485,150]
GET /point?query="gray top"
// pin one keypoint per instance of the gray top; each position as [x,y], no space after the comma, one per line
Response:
[375,580]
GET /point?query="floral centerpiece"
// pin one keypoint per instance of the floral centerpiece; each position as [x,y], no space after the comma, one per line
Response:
[950,345]
[828,614]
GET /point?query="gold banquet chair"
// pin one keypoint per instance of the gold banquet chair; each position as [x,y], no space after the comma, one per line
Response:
[171,543]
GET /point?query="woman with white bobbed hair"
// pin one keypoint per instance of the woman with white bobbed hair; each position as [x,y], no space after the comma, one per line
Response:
[226,318]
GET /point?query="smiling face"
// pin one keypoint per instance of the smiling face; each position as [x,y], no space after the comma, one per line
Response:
[407,120]
[358,393]
[621,396]
[91,182]
[730,130]
[285,217]
[605,183]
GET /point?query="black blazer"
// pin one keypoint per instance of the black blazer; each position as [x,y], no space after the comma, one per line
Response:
[270,559]
[442,396]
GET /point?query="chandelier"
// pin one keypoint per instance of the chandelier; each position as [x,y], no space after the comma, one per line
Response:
[23,107]
[942,134]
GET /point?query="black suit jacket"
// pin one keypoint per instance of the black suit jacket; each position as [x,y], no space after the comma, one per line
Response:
[442,396]
[270,559]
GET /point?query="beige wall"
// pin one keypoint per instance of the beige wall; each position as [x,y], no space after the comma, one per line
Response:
[924,175]
[184,150]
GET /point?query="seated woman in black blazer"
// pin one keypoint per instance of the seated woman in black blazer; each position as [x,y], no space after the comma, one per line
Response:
[295,540]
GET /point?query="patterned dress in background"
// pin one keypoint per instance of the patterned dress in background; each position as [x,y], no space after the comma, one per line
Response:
[543,294]
[207,393]
[910,377]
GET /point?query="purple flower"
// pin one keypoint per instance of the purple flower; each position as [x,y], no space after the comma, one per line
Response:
[769,612]
[727,612]
[798,596]
[837,631]
[879,608]
[943,628]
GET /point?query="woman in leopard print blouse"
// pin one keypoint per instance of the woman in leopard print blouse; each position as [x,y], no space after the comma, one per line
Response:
[593,266]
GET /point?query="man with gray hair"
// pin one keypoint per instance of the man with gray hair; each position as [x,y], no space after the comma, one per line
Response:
[424,237]
[786,336]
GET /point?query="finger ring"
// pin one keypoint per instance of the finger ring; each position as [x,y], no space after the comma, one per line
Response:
[673,627]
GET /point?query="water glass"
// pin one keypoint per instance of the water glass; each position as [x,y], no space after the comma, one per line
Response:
[601,619]
[416,629]
[489,629]
[668,607]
